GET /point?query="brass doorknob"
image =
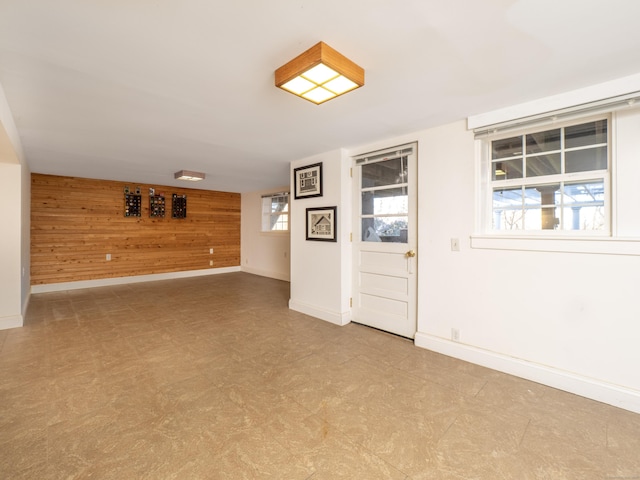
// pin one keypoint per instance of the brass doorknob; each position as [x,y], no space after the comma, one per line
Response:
[410,254]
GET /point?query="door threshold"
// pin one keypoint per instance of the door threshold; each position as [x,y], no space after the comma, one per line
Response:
[384,331]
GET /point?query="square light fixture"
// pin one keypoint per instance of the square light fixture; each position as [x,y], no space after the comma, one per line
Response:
[188,175]
[319,74]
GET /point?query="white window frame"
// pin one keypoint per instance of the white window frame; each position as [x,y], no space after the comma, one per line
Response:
[267,216]
[614,99]
[487,184]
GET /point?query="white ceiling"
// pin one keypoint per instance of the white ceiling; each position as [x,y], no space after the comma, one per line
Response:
[135,90]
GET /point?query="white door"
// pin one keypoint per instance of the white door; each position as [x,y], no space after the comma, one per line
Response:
[385,240]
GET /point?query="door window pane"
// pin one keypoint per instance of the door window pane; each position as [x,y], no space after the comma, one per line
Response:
[385,202]
[387,172]
[391,229]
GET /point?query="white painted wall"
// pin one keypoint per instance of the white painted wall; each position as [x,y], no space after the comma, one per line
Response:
[263,253]
[533,308]
[569,320]
[321,270]
[15,201]
[25,239]
[10,246]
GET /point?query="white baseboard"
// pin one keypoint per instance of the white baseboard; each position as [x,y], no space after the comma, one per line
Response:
[14,321]
[586,387]
[336,318]
[104,282]
[265,273]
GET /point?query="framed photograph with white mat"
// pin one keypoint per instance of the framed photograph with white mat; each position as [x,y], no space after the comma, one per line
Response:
[322,224]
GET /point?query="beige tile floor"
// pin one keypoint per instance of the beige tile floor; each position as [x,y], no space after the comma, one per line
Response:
[214,378]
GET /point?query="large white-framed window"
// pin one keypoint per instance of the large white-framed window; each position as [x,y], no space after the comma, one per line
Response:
[275,212]
[549,180]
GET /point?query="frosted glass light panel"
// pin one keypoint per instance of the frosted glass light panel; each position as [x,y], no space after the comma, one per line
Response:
[385,201]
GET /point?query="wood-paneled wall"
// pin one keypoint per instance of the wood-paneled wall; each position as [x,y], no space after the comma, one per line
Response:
[76,222]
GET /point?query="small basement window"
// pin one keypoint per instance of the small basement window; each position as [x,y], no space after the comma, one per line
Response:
[275,212]
[550,179]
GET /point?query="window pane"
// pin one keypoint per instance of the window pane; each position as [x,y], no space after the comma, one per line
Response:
[585,134]
[543,165]
[385,202]
[540,207]
[279,222]
[585,160]
[507,197]
[385,229]
[507,147]
[546,218]
[266,205]
[279,204]
[388,172]
[584,205]
[507,209]
[542,195]
[584,218]
[543,141]
[506,169]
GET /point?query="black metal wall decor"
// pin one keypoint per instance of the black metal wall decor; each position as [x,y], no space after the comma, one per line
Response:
[157,204]
[179,206]
[132,203]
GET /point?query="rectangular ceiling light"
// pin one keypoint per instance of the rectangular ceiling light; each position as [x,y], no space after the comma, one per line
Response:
[188,175]
[319,74]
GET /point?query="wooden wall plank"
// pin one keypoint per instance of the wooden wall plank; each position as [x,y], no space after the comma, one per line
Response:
[75,222]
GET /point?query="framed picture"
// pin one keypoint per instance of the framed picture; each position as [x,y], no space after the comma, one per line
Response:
[308,181]
[322,224]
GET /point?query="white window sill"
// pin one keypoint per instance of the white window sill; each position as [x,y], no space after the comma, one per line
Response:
[598,245]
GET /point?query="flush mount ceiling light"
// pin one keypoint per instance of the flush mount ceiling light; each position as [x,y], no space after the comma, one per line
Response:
[319,74]
[188,175]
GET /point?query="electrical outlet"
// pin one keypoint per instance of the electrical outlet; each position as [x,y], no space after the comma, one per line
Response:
[455,245]
[455,334]
[211,250]
[211,263]
[108,257]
